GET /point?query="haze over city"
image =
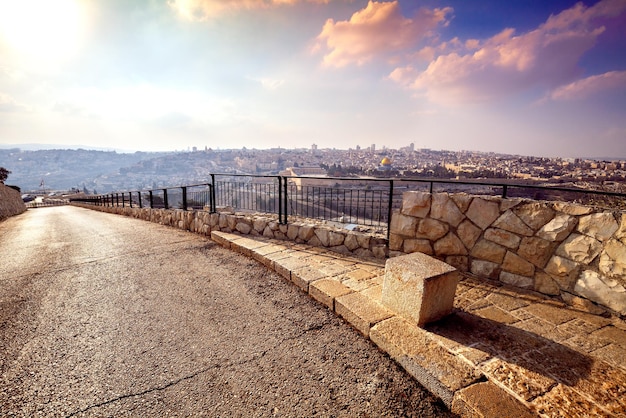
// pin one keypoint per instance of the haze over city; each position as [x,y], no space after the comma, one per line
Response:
[544,78]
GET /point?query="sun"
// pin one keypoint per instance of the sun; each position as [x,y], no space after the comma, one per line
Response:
[41,30]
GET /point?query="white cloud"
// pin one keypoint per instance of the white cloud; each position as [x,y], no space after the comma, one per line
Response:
[378,29]
[509,63]
[586,87]
[9,104]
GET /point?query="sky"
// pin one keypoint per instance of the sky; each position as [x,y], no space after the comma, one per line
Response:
[533,77]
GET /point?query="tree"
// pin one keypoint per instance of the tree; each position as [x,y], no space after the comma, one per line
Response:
[4,173]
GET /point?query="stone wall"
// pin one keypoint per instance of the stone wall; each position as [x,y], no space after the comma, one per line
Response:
[11,202]
[575,252]
[320,235]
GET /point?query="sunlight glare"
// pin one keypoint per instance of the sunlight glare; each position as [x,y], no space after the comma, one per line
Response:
[41,30]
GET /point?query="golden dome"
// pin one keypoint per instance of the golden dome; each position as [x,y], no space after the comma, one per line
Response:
[385,161]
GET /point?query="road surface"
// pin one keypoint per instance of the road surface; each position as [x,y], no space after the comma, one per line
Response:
[103,315]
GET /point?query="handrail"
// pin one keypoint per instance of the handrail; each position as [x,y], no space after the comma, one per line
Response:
[275,198]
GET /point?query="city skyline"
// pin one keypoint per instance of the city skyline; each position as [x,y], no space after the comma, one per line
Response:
[547,80]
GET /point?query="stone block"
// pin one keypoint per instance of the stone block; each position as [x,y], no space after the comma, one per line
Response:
[483,212]
[486,400]
[602,290]
[450,245]
[360,311]
[416,245]
[422,356]
[613,260]
[403,225]
[489,251]
[306,232]
[502,237]
[326,290]
[535,214]
[580,248]
[600,226]
[558,228]
[431,229]
[509,221]
[516,280]
[419,287]
[515,264]
[485,269]
[443,208]
[536,250]
[468,233]
[416,204]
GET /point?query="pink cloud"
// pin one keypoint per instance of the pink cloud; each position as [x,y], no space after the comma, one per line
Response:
[508,63]
[199,10]
[580,89]
[377,29]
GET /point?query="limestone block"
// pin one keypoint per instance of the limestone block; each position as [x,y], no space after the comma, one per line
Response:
[468,233]
[513,263]
[558,228]
[417,245]
[571,208]
[605,291]
[580,248]
[516,280]
[379,251]
[306,232]
[268,233]
[395,242]
[431,229]
[536,250]
[232,221]
[462,200]
[315,241]
[485,269]
[483,212]
[243,227]
[283,228]
[506,204]
[535,214]
[326,290]
[364,241]
[487,400]
[582,304]
[600,226]
[502,237]
[416,204]
[546,285]
[444,209]
[360,311]
[509,221]
[323,235]
[351,241]
[621,232]
[419,287]
[563,270]
[613,260]
[490,251]
[292,231]
[450,245]
[403,225]
[335,238]
[223,221]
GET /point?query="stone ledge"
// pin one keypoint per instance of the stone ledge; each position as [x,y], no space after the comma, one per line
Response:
[360,311]
[484,400]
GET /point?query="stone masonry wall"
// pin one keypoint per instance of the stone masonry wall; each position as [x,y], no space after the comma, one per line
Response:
[559,249]
[311,233]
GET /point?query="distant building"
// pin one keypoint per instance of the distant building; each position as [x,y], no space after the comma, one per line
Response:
[385,165]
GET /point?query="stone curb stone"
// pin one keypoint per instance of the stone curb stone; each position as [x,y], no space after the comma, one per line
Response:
[360,311]
[326,291]
[485,399]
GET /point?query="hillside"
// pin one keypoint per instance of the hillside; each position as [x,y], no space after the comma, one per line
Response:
[10,202]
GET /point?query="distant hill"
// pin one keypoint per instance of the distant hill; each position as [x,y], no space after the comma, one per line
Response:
[63,169]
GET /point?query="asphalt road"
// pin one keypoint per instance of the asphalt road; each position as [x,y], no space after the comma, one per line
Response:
[103,315]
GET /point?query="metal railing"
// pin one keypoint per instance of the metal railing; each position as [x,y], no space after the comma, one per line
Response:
[346,200]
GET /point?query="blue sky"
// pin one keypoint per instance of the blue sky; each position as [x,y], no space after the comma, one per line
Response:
[544,78]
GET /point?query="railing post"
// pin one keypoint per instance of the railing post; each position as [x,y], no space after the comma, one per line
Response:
[151,201]
[389,210]
[431,188]
[140,202]
[165,199]
[504,190]
[280,200]
[130,199]
[117,199]
[213,203]
[285,199]
[184,198]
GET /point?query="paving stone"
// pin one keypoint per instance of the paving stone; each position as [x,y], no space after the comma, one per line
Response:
[305,275]
[326,290]
[486,400]
[476,354]
[496,314]
[526,384]
[613,354]
[506,302]
[360,311]
[285,266]
[564,402]
[551,314]
[605,386]
[565,365]
[432,365]
[222,238]
[585,343]
[260,254]
[612,334]
[544,329]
